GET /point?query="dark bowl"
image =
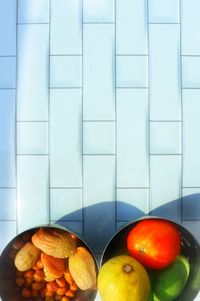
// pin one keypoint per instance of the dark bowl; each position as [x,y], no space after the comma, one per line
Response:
[8,288]
[189,245]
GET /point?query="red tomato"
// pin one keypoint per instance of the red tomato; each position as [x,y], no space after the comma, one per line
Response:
[154,242]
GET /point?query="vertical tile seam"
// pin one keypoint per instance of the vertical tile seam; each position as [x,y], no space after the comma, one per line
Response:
[49,85]
[115,82]
[149,117]
[16,102]
[181,93]
[82,116]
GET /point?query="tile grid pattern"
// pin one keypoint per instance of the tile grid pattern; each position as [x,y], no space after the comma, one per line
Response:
[107,109]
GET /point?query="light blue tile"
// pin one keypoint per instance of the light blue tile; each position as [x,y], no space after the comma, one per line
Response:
[7,138]
[98,137]
[193,227]
[165,179]
[165,137]
[8,27]
[190,23]
[190,69]
[99,200]
[7,232]
[132,71]
[33,11]
[32,138]
[66,204]
[8,204]
[32,191]
[66,71]
[66,27]
[164,11]
[191,145]
[98,11]
[132,203]
[74,227]
[132,138]
[33,72]
[131,27]
[99,72]
[7,72]
[65,138]
[164,72]
[191,203]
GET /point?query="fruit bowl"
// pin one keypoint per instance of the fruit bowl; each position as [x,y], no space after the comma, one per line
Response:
[189,248]
[14,282]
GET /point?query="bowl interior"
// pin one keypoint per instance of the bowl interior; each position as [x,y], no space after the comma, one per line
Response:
[190,248]
[8,289]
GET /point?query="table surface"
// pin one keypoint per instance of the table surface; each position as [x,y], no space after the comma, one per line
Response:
[99,115]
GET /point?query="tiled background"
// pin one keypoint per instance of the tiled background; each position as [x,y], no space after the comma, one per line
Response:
[99,114]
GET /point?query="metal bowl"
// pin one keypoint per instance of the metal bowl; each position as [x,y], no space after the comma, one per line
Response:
[190,248]
[8,289]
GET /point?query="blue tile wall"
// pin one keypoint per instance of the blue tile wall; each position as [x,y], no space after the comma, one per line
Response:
[8,69]
[66,27]
[190,27]
[164,11]
[32,72]
[191,147]
[7,138]
[164,72]
[33,11]
[132,126]
[65,151]
[8,13]
[99,11]
[98,72]
[131,27]
[99,115]
[65,71]
[32,191]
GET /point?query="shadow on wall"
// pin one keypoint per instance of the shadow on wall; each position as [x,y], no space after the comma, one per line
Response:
[99,220]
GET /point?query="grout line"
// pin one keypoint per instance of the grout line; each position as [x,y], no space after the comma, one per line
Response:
[179,154]
[149,117]
[98,154]
[82,116]
[66,220]
[65,88]
[191,187]
[181,93]
[163,23]
[190,55]
[79,55]
[33,23]
[145,55]
[98,23]
[9,220]
[18,155]
[16,107]
[133,188]
[49,79]
[178,121]
[111,121]
[60,187]
[132,87]
[5,187]
[18,121]
[190,88]
[115,82]
[11,55]
[7,88]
